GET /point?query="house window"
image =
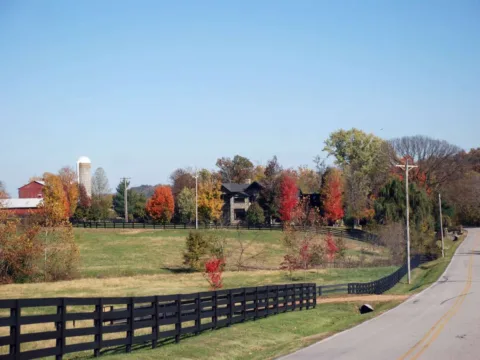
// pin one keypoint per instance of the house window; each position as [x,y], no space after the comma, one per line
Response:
[239,214]
[239,200]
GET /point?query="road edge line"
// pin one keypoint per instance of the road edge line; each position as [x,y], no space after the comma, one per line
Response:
[411,298]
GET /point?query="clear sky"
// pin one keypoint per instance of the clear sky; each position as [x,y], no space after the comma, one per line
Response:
[144,87]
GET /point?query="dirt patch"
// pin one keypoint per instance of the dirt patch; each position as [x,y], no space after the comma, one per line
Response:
[362,298]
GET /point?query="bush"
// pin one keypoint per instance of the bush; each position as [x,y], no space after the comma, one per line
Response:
[255,215]
[62,253]
[20,250]
[200,245]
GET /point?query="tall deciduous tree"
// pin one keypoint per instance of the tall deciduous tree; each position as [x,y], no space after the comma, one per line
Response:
[210,201]
[308,180]
[68,177]
[3,191]
[236,170]
[180,179]
[270,193]
[55,203]
[160,206]
[101,201]
[186,205]
[84,203]
[288,197]
[365,160]
[333,196]
[439,160]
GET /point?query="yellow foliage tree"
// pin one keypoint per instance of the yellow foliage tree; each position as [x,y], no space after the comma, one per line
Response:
[55,203]
[209,196]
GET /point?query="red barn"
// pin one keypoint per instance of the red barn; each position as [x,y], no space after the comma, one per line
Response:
[21,207]
[31,190]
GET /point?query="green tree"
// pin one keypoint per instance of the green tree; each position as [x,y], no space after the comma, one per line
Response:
[135,202]
[255,215]
[236,170]
[186,205]
[270,194]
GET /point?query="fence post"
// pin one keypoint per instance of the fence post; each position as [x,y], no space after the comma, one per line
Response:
[154,225]
[314,296]
[98,325]
[144,223]
[15,331]
[276,301]
[198,321]
[267,311]
[319,291]
[155,323]
[244,305]
[114,226]
[230,306]
[131,323]
[214,308]
[255,316]
[185,226]
[178,323]
[174,226]
[60,325]
[302,286]
[123,224]
[294,297]
[133,225]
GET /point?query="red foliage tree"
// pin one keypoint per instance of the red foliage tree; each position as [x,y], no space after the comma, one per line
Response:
[84,200]
[331,247]
[288,197]
[213,272]
[160,206]
[333,196]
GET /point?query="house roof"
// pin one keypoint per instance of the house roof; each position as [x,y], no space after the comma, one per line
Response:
[28,203]
[239,188]
[36,181]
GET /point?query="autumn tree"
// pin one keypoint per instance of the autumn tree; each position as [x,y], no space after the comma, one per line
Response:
[288,197]
[3,191]
[308,180]
[101,198]
[160,206]
[439,160]
[270,193]
[84,203]
[181,179]
[185,204]
[332,194]
[210,201]
[56,208]
[236,170]
[68,177]
[365,160]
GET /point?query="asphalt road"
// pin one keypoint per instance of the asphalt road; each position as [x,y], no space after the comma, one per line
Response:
[442,322]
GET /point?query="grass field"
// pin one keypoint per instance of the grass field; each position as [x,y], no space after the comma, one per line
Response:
[114,253]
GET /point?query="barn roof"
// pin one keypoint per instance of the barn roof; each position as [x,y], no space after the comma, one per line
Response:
[28,203]
[41,182]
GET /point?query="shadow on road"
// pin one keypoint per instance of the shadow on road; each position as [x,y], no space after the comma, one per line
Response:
[444,301]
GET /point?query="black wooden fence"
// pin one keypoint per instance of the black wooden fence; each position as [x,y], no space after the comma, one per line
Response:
[140,320]
[353,234]
[374,287]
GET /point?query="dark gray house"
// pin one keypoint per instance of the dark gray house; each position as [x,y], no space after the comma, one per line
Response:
[237,199]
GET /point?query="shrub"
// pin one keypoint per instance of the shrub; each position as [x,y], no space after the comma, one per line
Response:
[213,272]
[196,248]
[20,250]
[62,254]
[255,215]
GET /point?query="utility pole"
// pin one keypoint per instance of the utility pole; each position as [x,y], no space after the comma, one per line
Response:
[125,197]
[196,199]
[407,169]
[441,222]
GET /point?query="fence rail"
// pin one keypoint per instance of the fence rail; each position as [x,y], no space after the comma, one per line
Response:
[147,319]
[352,234]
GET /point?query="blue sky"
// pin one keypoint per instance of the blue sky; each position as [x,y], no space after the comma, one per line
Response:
[144,87]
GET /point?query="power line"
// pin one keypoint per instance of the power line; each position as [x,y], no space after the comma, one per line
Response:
[407,169]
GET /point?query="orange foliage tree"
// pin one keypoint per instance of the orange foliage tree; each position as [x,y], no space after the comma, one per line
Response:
[210,201]
[56,207]
[160,206]
[68,177]
[333,196]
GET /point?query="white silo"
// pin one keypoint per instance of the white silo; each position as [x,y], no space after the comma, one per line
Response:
[84,166]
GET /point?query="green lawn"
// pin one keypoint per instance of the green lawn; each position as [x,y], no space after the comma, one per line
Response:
[113,253]
[263,339]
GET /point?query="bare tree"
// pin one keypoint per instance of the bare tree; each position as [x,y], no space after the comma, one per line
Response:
[439,160]
[3,191]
